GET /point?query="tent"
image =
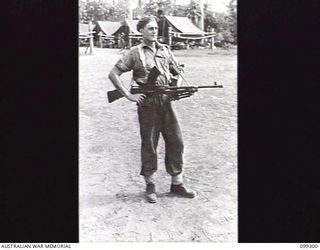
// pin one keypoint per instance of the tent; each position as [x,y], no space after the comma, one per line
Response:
[180,25]
[105,31]
[132,27]
[183,30]
[129,32]
[129,27]
[134,36]
[183,25]
[106,28]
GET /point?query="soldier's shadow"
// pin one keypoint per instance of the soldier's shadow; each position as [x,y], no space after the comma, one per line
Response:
[139,196]
[92,201]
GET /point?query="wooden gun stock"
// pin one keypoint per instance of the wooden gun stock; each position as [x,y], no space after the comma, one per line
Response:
[114,95]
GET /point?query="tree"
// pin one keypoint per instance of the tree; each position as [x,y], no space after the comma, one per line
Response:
[122,10]
[193,12]
[224,24]
[152,6]
[138,12]
[92,10]
[99,10]
[209,18]
[179,10]
[232,21]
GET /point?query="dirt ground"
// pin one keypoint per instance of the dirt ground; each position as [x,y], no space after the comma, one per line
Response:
[112,204]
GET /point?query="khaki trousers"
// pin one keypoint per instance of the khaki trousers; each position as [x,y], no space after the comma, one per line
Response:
[157,116]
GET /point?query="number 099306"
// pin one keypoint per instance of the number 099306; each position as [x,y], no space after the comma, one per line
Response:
[308,245]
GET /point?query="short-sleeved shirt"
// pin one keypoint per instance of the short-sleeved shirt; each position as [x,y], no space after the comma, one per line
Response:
[142,58]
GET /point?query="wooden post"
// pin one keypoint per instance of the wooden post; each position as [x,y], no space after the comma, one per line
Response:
[91,37]
[169,36]
[212,40]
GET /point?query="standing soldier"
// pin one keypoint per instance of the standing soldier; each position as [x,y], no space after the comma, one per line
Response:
[155,112]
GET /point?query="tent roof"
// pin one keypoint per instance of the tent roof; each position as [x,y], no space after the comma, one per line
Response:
[109,28]
[132,24]
[184,25]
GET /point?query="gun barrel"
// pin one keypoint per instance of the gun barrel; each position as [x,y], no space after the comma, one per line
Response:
[210,86]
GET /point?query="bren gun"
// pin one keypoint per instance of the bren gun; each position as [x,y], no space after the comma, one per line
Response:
[174,93]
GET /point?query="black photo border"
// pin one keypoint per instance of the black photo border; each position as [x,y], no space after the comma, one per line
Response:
[278,121]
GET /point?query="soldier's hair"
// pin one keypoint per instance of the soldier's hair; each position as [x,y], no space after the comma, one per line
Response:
[144,21]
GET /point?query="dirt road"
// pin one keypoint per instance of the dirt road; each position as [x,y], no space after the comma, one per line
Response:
[112,204]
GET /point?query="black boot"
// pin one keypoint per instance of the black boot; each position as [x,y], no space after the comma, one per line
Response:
[182,191]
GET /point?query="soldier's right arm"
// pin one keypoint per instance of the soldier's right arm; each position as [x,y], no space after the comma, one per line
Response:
[124,65]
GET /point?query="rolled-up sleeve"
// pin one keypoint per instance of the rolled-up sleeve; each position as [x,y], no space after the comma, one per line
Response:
[126,63]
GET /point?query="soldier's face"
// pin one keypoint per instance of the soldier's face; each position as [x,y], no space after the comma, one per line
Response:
[150,31]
